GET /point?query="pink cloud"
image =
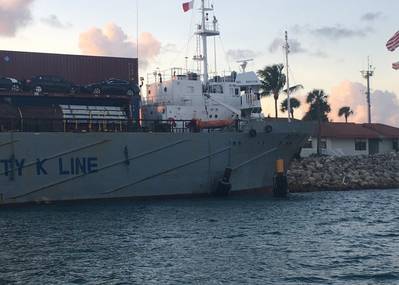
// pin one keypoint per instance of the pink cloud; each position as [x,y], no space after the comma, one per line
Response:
[111,40]
[14,14]
[385,104]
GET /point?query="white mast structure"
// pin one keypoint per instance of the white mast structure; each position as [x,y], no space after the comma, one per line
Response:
[367,74]
[204,33]
[287,51]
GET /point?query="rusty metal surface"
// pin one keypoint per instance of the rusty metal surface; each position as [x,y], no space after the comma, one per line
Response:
[75,68]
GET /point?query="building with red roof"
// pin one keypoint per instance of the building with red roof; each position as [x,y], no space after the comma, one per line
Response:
[346,139]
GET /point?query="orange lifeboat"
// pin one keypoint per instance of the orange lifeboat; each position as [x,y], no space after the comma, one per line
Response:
[214,124]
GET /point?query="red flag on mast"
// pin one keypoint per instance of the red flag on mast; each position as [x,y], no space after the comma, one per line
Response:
[188,6]
[393,42]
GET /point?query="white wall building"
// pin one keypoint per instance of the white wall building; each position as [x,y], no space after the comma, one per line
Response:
[347,139]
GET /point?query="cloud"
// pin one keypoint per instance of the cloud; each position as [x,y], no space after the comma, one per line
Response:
[14,14]
[240,54]
[295,48]
[169,48]
[371,17]
[385,105]
[338,32]
[113,41]
[54,21]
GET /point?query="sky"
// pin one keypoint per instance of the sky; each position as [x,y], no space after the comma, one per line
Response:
[330,40]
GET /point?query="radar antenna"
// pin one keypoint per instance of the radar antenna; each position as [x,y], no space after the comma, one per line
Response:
[244,63]
[367,74]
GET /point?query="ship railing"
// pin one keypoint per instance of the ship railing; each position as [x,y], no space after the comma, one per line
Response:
[174,73]
[187,74]
[39,125]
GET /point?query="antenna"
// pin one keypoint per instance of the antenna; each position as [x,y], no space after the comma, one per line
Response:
[367,74]
[287,51]
[244,63]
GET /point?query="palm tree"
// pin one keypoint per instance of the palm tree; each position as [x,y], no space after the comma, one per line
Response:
[345,112]
[273,81]
[294,105]
[319,107]
[318,110]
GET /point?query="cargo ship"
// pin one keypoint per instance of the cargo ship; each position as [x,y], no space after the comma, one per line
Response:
[188,134]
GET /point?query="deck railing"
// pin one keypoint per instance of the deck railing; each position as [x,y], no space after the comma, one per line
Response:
[103,125]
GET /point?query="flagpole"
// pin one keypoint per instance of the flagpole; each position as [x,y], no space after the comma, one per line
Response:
[137,29]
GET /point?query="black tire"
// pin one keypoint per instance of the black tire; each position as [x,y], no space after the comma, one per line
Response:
[130,92]
[253,133]
[97,91]
[38,89]
[15,88]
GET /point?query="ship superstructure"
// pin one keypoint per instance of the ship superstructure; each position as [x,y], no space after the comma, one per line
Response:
[181,94]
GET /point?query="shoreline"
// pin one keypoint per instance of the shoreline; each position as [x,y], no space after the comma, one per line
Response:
[354,173]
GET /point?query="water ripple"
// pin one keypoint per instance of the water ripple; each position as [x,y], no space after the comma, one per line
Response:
[315,238]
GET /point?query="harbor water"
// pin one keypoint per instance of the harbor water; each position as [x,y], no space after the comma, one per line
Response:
[314,238]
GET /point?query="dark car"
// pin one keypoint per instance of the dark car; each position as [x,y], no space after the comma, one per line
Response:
[113,87]
[10,84]
[50,84]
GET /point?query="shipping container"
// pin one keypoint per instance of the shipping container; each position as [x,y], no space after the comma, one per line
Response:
[78,69]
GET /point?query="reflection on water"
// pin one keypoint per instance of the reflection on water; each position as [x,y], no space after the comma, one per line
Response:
[318,238]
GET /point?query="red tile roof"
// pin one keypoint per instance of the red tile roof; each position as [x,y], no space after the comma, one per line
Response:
[384,130]
[358,131]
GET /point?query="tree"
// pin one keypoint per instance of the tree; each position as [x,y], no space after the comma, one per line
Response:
[273,81]
[318,110]
[345,112]
[294,105]
[319,107]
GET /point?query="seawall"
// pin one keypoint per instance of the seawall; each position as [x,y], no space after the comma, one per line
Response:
[344,173]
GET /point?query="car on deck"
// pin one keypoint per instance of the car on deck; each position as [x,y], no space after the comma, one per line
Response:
[113,87]
[10,84]
[50,84]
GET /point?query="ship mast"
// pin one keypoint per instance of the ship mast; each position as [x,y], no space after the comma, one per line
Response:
[287,51]
[204,33]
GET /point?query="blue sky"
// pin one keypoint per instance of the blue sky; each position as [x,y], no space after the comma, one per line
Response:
[332,38]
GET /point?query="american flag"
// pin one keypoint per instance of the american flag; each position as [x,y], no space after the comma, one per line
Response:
[395,65]
[393,42]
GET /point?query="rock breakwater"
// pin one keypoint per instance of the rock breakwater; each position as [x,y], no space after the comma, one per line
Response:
[344,173]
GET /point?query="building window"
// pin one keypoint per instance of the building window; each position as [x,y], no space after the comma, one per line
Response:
[360,145]
[308,144]
[395,145]
[323,143]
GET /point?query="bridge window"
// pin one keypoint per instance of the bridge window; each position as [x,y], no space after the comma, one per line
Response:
[216,89]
